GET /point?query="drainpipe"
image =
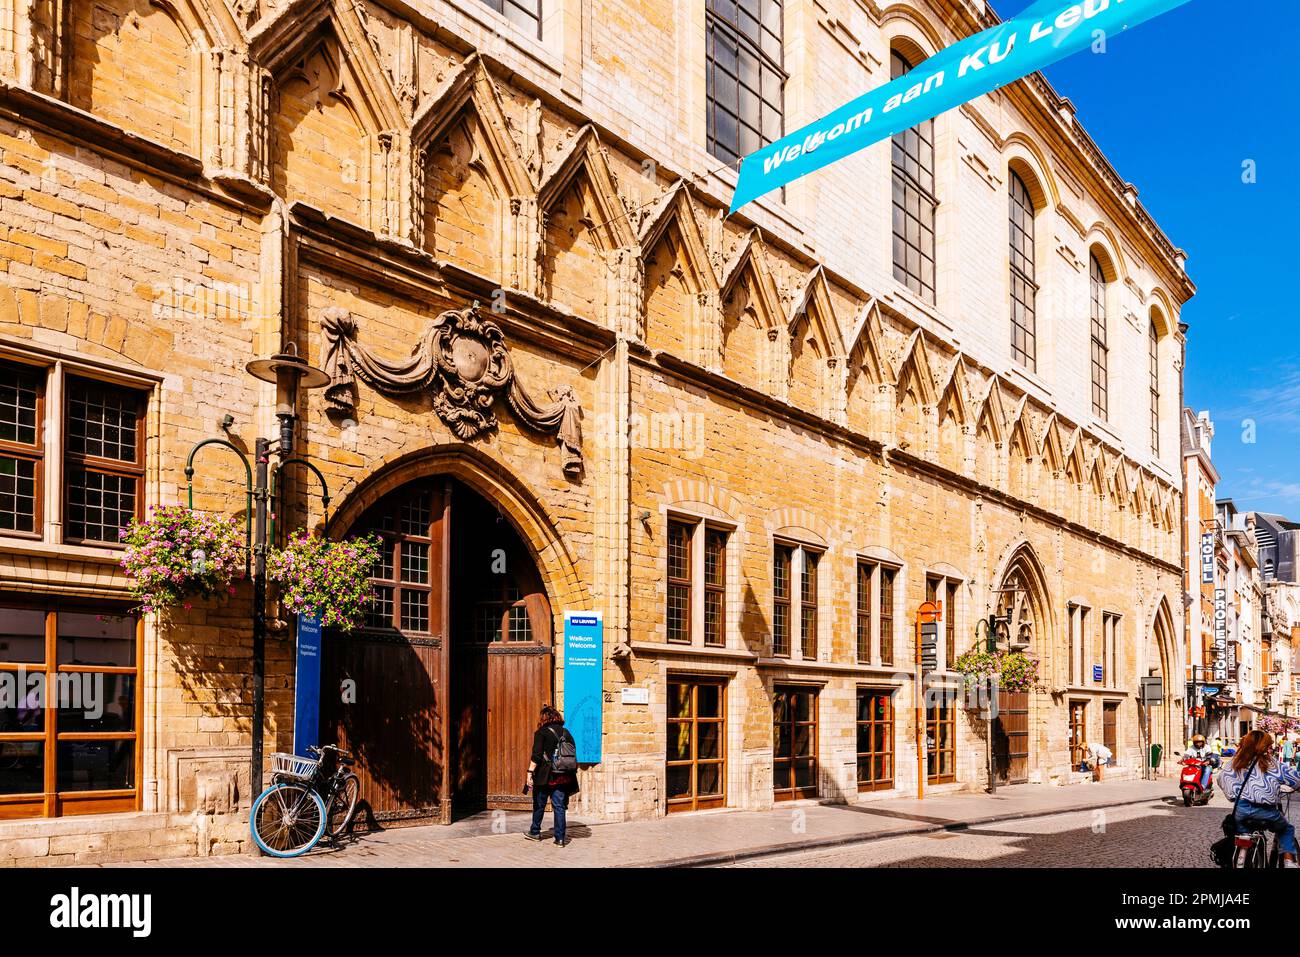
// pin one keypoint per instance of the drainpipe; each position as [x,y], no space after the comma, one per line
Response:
[1188,720]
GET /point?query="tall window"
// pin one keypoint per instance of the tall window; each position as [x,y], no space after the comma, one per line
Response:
[795,572]
[104,468]
[71,746]
[808,605]
[697,744]
[1110,649]
[875,617]
[941,589]
[941,738]
[782,559]
[875,740]
[914,200]
[679,582]
[886,629]
[525,14]
[98,432]
[1153,364]
[697,579]
[1097,288]
[744,76]
[22,399]
[794,742]
[1023,288]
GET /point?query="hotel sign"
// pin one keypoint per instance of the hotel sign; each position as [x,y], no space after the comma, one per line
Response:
[1220,634]
[1207,559]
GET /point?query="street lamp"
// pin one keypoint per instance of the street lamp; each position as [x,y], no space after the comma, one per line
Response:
[291,374]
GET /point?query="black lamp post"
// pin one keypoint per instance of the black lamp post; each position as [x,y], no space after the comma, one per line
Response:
[291,374]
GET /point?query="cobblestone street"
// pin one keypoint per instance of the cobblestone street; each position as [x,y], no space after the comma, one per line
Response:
[1130,823]
[1160,834]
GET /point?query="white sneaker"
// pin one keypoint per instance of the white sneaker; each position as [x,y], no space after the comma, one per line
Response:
[1290,864]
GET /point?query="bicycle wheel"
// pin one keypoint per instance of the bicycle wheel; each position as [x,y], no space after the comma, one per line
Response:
[287,820]
[1257,856]
[343,806]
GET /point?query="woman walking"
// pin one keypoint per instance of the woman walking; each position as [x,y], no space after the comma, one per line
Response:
[1257,779]
[552,773]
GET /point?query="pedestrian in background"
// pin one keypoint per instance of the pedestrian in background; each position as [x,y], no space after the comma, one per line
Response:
[552,773]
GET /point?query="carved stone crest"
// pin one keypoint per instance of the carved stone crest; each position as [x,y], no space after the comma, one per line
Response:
[462,363]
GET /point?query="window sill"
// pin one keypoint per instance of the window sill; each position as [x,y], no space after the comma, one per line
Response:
[691,651]
[105,554]
[829,667]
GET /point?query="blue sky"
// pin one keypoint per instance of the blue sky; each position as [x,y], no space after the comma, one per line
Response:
[1177,106]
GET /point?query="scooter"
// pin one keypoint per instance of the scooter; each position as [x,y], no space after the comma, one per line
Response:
[1189,782]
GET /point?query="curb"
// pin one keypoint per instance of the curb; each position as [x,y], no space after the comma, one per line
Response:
[772,850]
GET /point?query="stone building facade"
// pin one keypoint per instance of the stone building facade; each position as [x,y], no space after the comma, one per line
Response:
[797,422]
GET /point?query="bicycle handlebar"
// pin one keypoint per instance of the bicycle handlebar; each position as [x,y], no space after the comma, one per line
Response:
[344,755]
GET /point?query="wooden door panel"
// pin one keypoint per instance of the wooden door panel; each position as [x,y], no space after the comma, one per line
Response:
[1011,738]
[393,727]
[518,684]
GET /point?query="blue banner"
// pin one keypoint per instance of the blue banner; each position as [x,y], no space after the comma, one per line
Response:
[1043,33]
[584,658]
[306,686]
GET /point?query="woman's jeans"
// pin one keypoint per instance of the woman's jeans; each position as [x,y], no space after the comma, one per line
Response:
[559,804]
[1269,818]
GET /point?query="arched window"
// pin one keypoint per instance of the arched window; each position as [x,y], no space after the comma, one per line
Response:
[1100,374]
[1023,288]
[1153,360]
[914,200]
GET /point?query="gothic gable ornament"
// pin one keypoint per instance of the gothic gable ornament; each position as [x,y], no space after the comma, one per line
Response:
[462,363]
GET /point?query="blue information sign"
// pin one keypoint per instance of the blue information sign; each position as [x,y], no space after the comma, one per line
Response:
[584,641]
[1097,673]
[306,684]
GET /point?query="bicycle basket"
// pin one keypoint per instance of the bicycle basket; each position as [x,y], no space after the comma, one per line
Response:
[293,766]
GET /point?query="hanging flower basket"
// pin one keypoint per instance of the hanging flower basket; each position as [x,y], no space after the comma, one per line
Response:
[1016,670]
[177,553]
[327,578]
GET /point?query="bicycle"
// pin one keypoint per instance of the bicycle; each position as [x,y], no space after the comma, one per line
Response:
[305,802]
[1251,851]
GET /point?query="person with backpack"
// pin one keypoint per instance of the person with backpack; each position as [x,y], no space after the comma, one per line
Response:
[552,773]
[1254,781]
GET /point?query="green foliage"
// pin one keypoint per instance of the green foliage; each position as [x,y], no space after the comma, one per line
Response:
[1016,671]
[177,553]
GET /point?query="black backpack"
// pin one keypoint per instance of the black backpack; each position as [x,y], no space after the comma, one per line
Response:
[564,759]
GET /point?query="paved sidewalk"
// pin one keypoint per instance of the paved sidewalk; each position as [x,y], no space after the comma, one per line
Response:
[703,838]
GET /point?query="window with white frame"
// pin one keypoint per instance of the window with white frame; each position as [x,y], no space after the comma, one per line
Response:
[796,570]
[696,608]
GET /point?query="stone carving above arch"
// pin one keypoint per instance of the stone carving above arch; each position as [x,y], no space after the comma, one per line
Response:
[463,364]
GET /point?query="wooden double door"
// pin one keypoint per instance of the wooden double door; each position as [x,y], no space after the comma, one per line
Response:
[1011,738]
[438,694]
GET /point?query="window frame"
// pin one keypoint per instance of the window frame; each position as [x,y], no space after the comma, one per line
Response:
[1153,362]
[941,712]
[499,7]
[797,599]
[36,452]
[97,464]
[699,529]
[1023,276]
[873,783]
[719,26]
[913,187]
[792,791]
[51,801]
[695,801]
[1098,289]
[946,588]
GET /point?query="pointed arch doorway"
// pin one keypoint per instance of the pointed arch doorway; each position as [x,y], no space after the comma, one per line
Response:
[1025,619]
[437,694]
